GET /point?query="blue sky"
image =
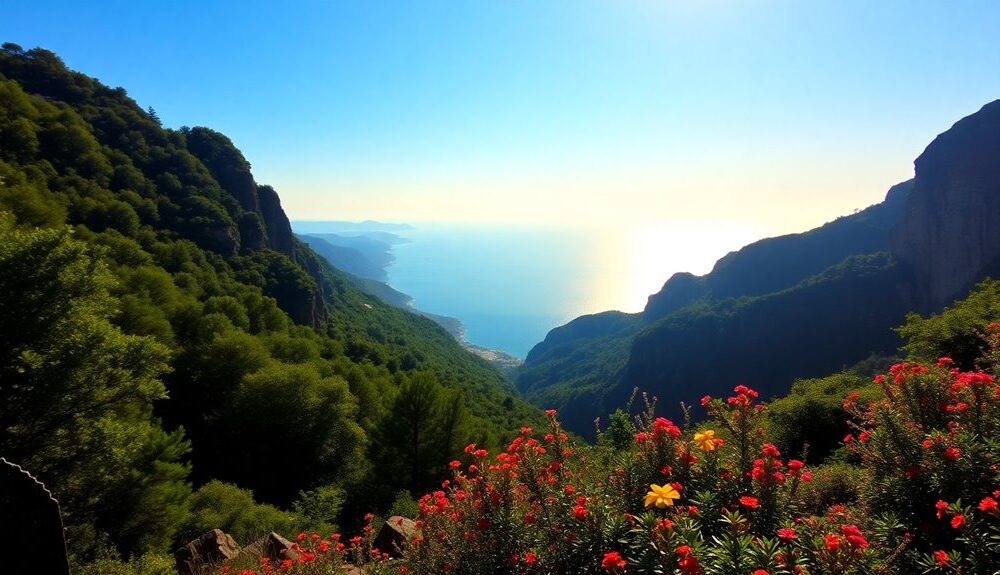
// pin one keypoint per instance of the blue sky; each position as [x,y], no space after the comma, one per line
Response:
[748,118]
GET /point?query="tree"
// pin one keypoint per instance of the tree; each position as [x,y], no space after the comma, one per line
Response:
[76,393]
[288,429]
[422,429]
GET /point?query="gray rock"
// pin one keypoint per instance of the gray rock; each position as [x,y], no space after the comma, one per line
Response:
[394,534]
[209,550]
[33,539]
[272,546]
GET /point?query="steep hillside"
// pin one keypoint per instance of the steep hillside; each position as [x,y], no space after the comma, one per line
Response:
[280,375]
[361,256]
[793,306]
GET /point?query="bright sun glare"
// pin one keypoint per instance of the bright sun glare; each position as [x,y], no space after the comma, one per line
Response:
[658,251]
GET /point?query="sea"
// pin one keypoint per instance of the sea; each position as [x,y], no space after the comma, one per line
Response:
[510,284]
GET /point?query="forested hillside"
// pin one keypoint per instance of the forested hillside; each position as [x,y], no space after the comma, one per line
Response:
[163,333]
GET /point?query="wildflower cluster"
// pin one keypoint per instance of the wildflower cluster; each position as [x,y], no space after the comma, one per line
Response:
[314,554]
[717,499]
[932,459]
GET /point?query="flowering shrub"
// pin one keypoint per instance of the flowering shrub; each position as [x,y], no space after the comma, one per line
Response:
[719,499]
[931,456]
[314,554]
[712,500]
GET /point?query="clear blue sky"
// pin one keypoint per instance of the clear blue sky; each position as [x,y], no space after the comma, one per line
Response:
[766,116]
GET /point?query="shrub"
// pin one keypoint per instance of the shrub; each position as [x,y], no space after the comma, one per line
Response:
[720,499]
[833,484]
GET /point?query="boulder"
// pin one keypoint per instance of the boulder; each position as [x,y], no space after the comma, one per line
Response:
[394,534]
[207,551]
[272,546]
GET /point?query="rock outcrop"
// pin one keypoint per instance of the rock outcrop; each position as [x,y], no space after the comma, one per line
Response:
[949,236]
[205,552]
[279,230]
[394,534]
[272,546]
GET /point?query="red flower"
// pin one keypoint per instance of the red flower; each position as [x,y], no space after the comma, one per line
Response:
[988,505]
[613,561]
[831,541]
[952,453]
[958,521]
[530,558]
[760,572]
[854,536]
[941,507]
[689,565]
[579,511]
[749,502]
[550,412]
[786,533]
[941,558]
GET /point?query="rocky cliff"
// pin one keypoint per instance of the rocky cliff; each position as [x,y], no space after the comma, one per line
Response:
[949,236]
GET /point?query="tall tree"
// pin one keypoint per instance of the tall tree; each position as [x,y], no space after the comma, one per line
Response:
[76,393]
[420,432]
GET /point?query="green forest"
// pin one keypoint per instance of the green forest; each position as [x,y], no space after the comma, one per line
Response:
[174,360]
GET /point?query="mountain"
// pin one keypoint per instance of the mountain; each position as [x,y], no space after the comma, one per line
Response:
[794,306]
[359,256]
[192,337]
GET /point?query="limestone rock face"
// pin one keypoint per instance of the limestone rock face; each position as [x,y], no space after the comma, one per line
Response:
[205,552]
[949,235]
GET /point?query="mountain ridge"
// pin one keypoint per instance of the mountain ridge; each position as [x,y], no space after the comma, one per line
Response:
[855,278]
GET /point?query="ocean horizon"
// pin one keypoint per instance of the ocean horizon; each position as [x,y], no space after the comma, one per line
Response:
[510,285]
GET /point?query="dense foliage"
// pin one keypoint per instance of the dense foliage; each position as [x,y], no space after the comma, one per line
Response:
[913,487]
[162,331]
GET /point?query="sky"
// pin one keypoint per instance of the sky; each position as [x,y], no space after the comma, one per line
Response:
[730,120]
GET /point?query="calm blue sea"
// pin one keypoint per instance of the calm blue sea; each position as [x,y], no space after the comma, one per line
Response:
[508,285]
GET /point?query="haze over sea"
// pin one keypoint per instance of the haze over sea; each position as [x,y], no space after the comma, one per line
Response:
[510,285]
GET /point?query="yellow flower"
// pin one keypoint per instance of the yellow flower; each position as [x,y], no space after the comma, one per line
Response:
[705,440]
[661,496]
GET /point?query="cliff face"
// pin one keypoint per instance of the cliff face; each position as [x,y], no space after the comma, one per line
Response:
[949,236]
[279,230]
